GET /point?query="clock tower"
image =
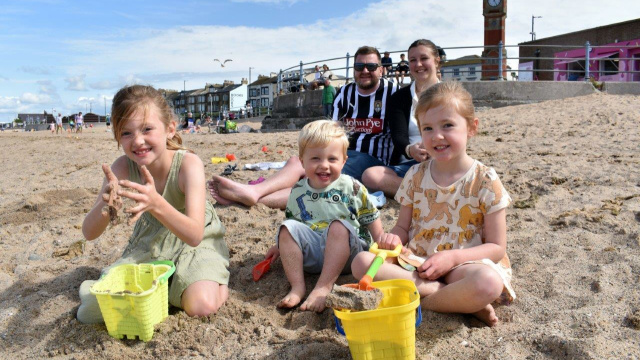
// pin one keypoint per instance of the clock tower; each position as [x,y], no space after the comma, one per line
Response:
[495,13]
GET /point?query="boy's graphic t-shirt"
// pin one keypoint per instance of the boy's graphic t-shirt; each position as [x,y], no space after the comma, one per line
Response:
[450,217]
[345,199]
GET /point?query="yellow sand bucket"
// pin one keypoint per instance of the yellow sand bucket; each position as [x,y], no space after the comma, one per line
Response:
[133,298]
[388,332]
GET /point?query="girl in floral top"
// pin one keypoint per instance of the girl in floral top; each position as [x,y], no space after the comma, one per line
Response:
[452,213]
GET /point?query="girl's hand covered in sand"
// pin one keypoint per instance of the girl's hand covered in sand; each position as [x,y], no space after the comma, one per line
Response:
[113,202]
[437,265]
[146,196]
[389,241]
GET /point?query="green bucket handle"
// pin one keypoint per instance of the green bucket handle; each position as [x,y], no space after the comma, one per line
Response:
[164,277]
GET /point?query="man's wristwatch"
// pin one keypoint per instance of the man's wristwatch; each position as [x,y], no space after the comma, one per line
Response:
[406,151]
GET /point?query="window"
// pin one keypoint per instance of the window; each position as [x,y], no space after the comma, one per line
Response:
[472,70]
[610,65]
[575,70]
[216,98]
[265,103]
[456,72]
[265,90]
[225,97]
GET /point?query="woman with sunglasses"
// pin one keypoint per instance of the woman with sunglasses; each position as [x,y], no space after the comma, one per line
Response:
[424,66]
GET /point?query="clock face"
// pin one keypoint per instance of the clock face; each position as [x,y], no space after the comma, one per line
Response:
[494,3]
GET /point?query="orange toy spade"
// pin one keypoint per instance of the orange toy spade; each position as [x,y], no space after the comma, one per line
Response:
[261,268]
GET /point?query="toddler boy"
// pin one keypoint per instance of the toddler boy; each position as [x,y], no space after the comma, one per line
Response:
[329,217]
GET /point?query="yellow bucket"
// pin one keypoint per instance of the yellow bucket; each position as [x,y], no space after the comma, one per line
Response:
[133,298]
[388,332]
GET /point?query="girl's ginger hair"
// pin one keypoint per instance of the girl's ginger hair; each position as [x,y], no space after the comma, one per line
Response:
[131,99]
[447,93]
[321,133]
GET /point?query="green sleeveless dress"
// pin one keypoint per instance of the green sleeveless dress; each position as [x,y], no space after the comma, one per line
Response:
[153,241]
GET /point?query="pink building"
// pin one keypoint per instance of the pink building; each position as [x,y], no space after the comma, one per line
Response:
[610,62]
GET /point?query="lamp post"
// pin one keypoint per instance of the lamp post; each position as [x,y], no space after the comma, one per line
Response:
[184,93]
[533,33]
[248,93]
[211,104]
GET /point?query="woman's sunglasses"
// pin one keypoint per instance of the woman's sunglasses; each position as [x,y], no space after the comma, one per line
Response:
[370,66]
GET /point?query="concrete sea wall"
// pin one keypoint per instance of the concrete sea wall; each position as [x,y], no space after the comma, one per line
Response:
[292,111]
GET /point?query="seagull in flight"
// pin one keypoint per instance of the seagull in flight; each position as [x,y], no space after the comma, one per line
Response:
[222,62]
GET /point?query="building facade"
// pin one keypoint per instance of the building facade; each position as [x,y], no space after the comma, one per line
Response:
[609,62]
[210,100]
[541,55]
[466,68]
[262,91]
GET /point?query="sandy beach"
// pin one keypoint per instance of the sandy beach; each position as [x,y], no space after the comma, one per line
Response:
[572,166]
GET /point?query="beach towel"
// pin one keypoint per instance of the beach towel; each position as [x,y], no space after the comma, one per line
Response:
[265,165]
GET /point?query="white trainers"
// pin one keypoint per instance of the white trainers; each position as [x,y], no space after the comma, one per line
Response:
[378,199]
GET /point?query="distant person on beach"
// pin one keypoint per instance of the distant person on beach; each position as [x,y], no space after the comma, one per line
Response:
[329,217]
[387,65]
[108,122]
[72,127]
[328,95]
[79,122]
[359,106]
[452,215]
[173,221]
[59,126]
[190,123]
[401,69]
[424,67]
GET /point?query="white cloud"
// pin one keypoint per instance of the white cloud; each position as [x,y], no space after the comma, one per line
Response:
[37,70]
[76,83]
[102,85]
[47,87]
[29,98]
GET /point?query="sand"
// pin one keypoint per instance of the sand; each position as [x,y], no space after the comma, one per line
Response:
[573,167]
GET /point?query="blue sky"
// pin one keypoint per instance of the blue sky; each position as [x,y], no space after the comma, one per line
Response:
[72,55]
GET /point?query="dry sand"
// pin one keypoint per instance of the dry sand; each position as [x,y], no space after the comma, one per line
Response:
[573,167]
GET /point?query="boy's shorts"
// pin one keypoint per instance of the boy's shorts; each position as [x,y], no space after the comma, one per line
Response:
[313,244]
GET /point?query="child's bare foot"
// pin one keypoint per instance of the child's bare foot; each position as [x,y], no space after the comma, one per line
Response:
[228,191]
[213,190]
[315,301]
[487,316]
[292,299]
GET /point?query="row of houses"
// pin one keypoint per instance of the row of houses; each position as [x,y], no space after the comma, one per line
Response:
[212,99]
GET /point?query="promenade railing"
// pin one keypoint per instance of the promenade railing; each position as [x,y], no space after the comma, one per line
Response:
[541,64]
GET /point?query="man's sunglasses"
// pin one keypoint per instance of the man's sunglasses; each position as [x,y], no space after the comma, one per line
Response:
[370,66]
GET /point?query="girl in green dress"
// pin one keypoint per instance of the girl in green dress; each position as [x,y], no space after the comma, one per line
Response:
[173,220]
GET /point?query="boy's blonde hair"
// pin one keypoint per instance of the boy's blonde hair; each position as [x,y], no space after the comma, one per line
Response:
[131,99]
[321,133]
[450,93]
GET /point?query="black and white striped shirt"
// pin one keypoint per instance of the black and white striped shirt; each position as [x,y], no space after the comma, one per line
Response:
[363,116]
